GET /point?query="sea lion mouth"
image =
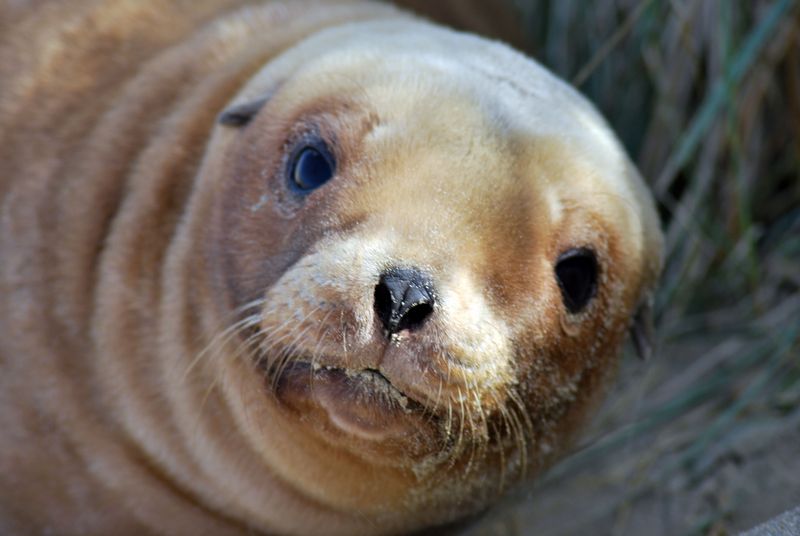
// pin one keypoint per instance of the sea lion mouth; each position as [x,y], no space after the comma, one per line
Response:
[363,403]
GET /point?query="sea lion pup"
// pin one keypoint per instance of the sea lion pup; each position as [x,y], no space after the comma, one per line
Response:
[296,268]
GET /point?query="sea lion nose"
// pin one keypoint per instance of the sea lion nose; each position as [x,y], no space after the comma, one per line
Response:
[404,299]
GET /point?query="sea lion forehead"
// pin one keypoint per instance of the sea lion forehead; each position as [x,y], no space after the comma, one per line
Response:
[447,69]
[466,93]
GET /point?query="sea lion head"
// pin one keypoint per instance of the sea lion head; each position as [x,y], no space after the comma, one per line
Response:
[425,252]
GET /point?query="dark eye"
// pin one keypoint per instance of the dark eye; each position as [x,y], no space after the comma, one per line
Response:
[576,272]
[310,167]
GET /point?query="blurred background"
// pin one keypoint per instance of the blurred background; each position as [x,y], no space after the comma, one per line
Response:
[704,438]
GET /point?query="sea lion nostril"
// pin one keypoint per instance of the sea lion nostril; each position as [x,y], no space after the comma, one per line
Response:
[404,299]
[415,316]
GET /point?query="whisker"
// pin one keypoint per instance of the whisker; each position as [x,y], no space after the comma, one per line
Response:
[502,454]
[223,337]
[471,433]
[449,426]
[461,423]
[501,441]
[286,354]
[270,342]
[484,426]
[315,354]
[218,341]
[521,431]
[431,412]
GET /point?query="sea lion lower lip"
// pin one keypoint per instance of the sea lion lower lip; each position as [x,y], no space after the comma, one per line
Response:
[362,403]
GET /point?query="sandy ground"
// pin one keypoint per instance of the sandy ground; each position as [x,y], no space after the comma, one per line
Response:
[700,460]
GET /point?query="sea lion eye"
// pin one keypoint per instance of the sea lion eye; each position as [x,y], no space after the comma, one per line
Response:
[311,166]
[576,272]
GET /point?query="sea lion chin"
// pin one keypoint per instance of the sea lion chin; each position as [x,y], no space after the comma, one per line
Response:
[298,268]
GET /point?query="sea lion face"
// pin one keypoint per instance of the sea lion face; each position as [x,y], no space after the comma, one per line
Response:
[430,256]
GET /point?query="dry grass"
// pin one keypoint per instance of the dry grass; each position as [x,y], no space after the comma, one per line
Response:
[706,438]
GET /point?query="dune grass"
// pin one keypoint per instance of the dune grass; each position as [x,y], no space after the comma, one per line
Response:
[706,96]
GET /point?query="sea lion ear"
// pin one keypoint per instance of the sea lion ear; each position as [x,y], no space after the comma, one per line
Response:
[642,330]
[238,115]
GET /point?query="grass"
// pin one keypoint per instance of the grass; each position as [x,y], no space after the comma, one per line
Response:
[706,96]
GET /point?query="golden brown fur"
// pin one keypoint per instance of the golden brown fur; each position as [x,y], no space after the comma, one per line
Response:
[152,267]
